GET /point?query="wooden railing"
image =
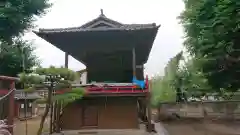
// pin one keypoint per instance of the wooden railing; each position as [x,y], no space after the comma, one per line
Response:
[114,89]
[119,88]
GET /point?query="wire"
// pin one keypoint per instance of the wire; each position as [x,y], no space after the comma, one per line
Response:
[7,94]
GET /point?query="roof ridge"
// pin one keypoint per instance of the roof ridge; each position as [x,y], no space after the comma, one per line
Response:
[100,17]
[84,26]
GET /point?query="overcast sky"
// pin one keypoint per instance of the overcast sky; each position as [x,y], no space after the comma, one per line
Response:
[72,13]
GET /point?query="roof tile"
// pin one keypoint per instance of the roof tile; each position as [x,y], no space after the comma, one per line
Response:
[103,18]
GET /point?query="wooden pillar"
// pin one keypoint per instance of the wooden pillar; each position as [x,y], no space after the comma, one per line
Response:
[149,111]
[11,107]
[134,62]
[66,60]
[16,109]
[150,125]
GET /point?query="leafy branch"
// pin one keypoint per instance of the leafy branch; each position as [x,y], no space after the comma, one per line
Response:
[53,79]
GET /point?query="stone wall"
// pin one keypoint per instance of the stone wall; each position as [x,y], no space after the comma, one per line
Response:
[216,109]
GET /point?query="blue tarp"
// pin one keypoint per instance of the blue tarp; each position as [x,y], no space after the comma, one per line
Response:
[140,83]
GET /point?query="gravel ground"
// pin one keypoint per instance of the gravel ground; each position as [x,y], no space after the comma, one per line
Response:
[33,125]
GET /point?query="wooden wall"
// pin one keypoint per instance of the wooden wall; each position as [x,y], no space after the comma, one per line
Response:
[112,113]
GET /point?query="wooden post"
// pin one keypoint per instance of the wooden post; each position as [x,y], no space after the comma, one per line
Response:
[134,62]
[66,60]
[54,116]
[11,107]
[149,112]
[50,92]
[58,110]
[150,125]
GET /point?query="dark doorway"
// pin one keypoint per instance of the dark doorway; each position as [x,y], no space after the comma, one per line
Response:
[90,116]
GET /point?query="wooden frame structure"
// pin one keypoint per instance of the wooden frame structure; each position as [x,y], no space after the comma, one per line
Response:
[21,104]
[7,88]
[119,52]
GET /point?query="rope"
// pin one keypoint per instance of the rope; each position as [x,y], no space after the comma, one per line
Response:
[1,98]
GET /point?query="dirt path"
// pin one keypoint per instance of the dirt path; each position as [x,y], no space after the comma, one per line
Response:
[140,131]
[161,129]
[32,127]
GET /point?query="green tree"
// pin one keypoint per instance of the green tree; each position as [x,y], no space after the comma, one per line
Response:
[12,61]
[212,36]
[53,79]
[193,82]
[164,88]
[17,16]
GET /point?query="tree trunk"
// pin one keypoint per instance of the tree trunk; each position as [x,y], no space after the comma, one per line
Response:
[58,117]
[55,116]
[43,119]
[51,118]
[46,111]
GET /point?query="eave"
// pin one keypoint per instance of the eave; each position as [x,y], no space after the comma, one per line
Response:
[102,34]
[65,39]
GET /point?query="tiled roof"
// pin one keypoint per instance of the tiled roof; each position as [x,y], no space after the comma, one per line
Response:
[111,25]
[19,94]
[79,29]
